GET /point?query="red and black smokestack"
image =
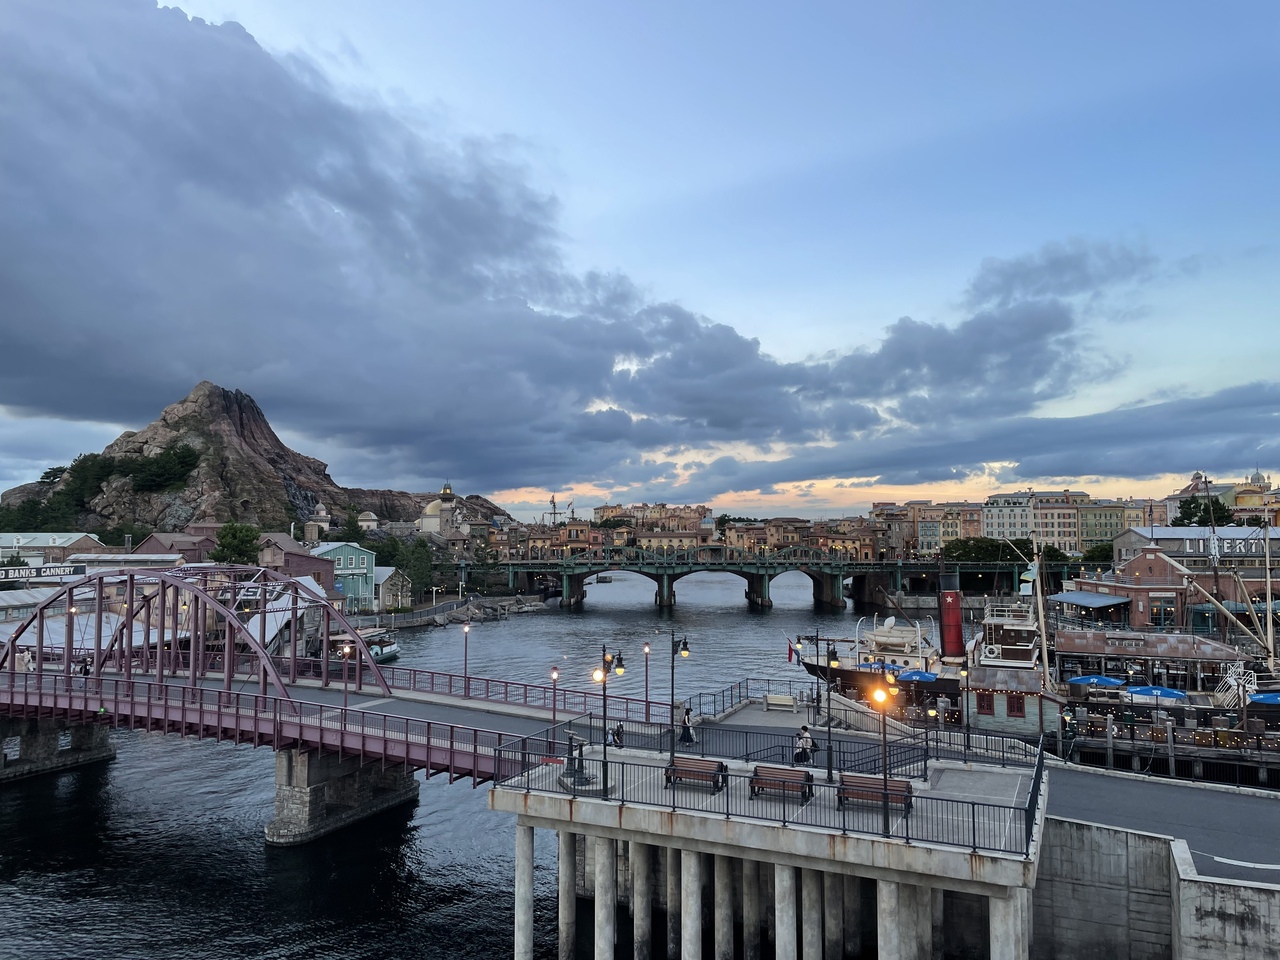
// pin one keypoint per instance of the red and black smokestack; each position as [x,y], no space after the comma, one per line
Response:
[950,615]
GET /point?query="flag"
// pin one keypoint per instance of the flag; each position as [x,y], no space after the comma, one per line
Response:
[1031,572]
[791,652]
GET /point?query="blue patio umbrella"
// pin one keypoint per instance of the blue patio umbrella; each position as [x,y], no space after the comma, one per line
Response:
[1163,693]
[1095,680]
[917,676]
[1264,698]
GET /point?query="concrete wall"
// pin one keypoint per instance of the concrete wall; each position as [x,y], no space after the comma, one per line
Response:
[1102,894]
[1108,894]
[1223,919]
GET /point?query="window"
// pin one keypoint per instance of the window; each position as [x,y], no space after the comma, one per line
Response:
[986,704]
[364,561]
[1015,705]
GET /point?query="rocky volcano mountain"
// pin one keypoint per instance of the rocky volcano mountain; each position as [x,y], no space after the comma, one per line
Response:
[213,457]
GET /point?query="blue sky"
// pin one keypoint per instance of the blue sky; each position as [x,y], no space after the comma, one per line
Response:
[654,188]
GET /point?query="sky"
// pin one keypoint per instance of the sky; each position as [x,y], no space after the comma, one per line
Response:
[780,260]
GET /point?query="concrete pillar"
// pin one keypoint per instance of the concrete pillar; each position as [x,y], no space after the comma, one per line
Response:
[888,935]
[724,908]
[691,915]
[524,892]
[832,915]
[606,896]
[811,914]
[568,894]
[673,902]
[751,915]
[937,904]
[642,899]
[1008,928]
[852,918]
[784,911]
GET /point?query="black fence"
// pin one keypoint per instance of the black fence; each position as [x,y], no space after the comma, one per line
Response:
[875,807]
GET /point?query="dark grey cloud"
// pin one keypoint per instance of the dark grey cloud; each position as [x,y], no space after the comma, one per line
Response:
[179,205]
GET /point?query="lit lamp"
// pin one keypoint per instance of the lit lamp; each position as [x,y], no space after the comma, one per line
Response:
[346,659]
[881,696]
[601,676]
[833,663]
[555,679]
[683,648]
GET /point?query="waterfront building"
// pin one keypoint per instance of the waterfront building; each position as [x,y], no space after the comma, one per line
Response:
[283,554]
[353,574]
[1055,518]
[47,547]
[392,589]
[194,548]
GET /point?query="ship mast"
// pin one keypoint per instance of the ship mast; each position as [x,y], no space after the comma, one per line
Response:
[1271,623]
[1213,554]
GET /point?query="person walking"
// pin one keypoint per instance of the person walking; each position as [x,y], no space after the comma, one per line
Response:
[686,727]
[804,746]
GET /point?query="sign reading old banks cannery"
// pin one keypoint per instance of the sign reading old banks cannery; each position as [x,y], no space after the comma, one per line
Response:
[42,573]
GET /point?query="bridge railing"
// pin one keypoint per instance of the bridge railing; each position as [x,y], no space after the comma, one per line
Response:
[975,825]
[540,696]
[241,717]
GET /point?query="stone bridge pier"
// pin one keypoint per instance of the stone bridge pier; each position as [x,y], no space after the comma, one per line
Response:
[318,793]
[573,589]
[757,592]
[828,591]
[665,595]
[51,746]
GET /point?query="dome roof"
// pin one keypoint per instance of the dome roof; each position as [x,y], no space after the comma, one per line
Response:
[432,509]
[320,511]
[1257,477]
[368,515]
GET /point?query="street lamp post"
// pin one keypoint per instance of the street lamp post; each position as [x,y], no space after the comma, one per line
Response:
[346,659]
[555,679]
[833,663]
[682,647]
[964,672]
[646,681]
[881,697]
[601,676]
[466,638]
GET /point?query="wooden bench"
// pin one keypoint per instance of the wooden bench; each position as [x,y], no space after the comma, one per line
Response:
[785,780]
[779,702]
[714,773]
[855,786]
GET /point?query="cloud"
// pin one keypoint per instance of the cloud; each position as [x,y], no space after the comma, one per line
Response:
[1058,270]
[180,205]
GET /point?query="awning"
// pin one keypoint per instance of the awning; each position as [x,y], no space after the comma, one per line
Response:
[1082,598]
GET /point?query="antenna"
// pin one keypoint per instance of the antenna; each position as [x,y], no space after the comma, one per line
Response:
[554,512]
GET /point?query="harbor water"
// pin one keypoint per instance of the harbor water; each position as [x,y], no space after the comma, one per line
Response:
[160,854]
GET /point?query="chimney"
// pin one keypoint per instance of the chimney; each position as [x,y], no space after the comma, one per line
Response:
[128,543]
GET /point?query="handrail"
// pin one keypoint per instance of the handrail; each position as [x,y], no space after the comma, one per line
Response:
[238,716]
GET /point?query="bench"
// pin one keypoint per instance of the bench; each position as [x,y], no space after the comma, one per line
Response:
[714,773]
[785,780]
[855,786]
[779,702]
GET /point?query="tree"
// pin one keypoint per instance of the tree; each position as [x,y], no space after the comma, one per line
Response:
[14,561]
[420,567]
[1099,553]
[237,543]
[1193,512]
[388,552]
[52,475]
[1255,522]
[351,532]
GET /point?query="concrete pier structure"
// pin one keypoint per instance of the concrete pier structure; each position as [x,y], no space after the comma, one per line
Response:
[52,746]
[318,793]
[818,874]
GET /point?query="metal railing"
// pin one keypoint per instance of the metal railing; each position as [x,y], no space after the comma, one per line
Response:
[219,714]
[974,825]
